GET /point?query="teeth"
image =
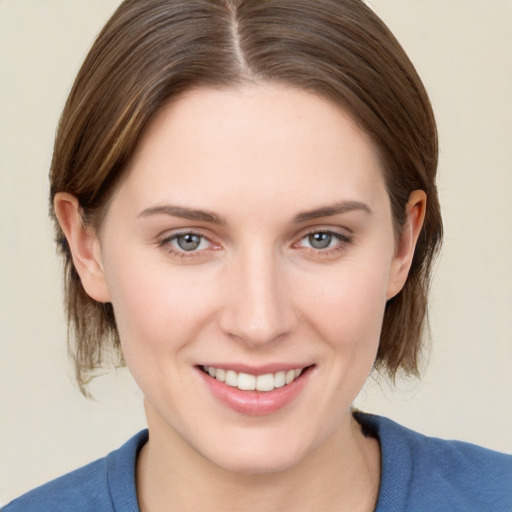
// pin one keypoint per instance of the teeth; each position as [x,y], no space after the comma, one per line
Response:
[265,382]
[248,382]
[279,379]
[231,378]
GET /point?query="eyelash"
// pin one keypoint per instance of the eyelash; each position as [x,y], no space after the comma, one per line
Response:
[342,242]
[166,244]
[341,239]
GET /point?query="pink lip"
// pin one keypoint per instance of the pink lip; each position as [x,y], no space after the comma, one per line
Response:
[256,403]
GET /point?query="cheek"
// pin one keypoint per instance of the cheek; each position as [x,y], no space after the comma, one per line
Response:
[348,308]
[156,306]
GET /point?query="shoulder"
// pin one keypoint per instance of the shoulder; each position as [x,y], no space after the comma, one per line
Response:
[87,485]
[100,485]
[427,473]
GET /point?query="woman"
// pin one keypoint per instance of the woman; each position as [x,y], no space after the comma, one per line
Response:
[245,199]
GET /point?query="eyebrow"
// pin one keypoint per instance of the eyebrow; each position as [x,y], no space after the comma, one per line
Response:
[330,210]
[184,213]
[206,216]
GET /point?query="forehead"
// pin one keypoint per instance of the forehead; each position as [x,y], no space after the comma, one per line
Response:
[260,140]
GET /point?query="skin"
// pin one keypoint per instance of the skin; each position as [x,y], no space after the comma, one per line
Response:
[254,292]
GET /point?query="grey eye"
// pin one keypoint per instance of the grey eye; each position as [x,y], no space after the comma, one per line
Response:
[188,242]
[320,240]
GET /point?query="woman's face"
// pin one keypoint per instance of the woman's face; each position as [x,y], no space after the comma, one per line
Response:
[252,235]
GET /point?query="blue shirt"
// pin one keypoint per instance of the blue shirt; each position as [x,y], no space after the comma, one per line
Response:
[419,474]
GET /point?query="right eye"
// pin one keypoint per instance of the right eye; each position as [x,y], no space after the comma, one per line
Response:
[185,244]
[190,242]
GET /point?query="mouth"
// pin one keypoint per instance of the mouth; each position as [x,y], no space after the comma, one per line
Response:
[259,393]
[249,382]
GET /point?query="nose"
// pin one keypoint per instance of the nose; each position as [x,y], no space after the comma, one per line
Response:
[258,308]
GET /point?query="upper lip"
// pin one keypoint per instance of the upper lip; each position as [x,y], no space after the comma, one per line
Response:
[257,369]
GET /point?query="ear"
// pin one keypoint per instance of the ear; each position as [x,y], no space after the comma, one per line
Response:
[402,260]
[84,244]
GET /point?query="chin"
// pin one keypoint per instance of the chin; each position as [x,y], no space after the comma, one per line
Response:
[259,464]
[258,456]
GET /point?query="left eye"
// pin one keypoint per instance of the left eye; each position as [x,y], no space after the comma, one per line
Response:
[189,242]
[321,240]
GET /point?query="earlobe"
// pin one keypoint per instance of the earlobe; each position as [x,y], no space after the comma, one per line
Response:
[84,245]
[402,260]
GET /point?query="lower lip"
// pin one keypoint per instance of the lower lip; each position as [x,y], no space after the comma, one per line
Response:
[256,403]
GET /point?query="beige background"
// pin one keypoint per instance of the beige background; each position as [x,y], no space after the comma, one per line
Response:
[462,49]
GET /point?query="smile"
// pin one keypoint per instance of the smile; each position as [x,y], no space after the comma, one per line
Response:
[262,392]
[248,382]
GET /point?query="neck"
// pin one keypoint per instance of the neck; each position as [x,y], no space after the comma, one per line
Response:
[342,473]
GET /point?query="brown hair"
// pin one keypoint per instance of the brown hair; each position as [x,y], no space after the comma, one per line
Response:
[152,50]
